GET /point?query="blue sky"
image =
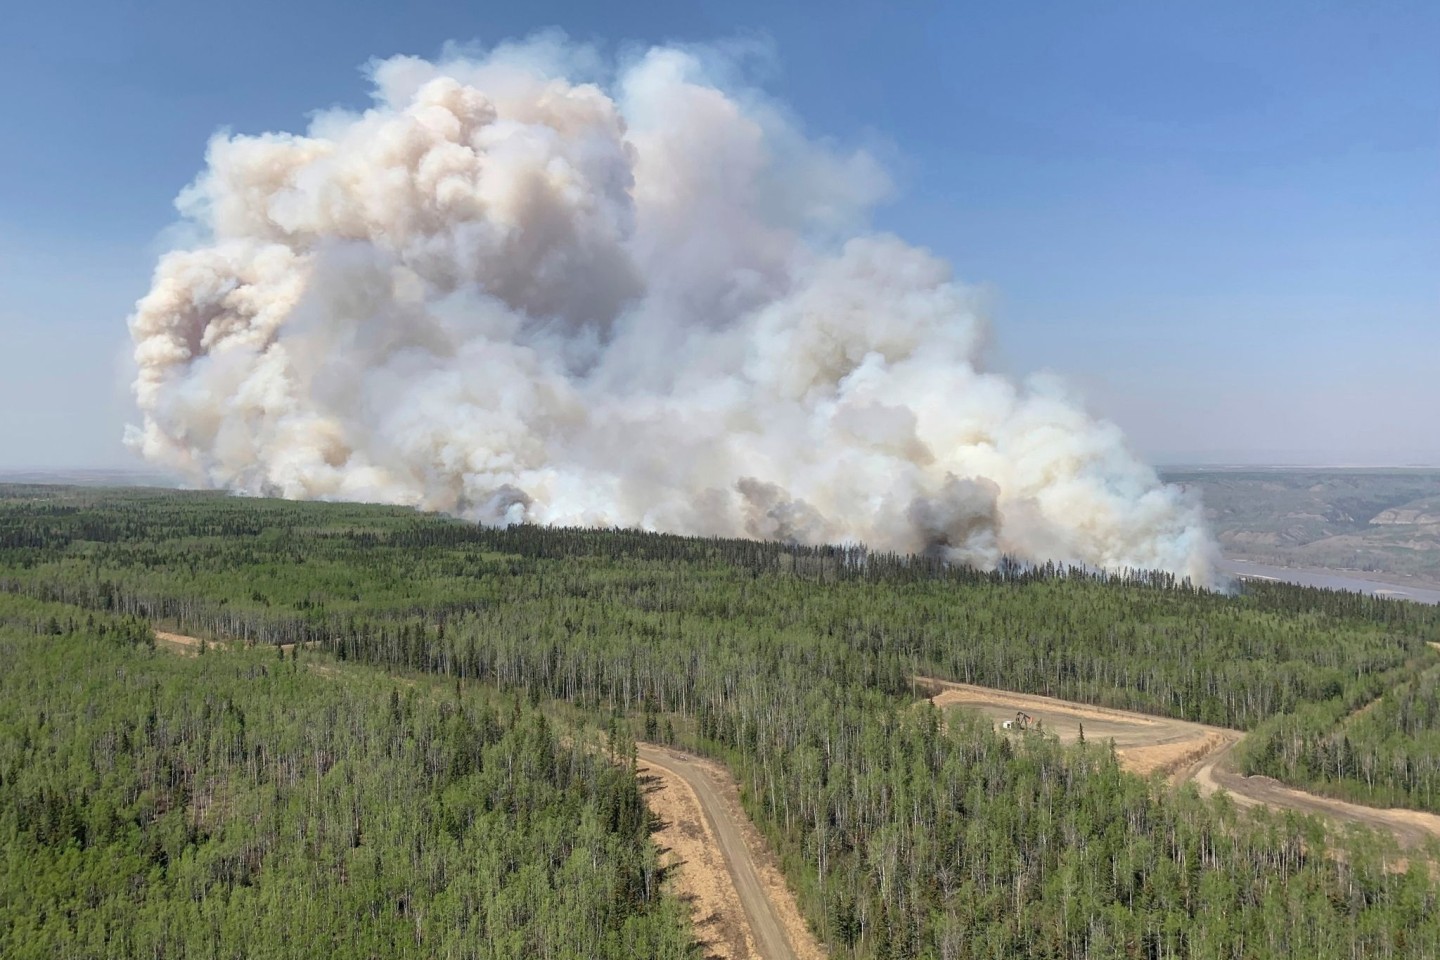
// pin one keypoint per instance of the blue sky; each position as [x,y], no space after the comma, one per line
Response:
[1220,222]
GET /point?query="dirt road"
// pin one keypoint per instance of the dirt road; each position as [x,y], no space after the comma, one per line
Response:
[1411,828]
[739,901]
[1180,750]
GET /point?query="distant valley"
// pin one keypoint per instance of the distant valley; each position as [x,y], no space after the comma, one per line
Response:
[1377,521]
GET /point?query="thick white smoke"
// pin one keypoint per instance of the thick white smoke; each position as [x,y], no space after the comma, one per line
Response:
[512,296]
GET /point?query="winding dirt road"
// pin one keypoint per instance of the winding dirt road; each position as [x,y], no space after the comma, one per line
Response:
[1181,751]
[1411,828]
[739,902]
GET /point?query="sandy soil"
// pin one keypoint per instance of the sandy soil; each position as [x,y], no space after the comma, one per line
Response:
[695,865]
[1173,760]
[741,905]
[1143,743]
[179,643]
[1411,828]
[1181,751]
[190,646]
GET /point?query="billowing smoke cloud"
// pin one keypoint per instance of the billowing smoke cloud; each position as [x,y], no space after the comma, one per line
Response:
[642,301]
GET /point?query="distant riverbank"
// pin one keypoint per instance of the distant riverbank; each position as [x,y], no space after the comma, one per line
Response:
[1377,584]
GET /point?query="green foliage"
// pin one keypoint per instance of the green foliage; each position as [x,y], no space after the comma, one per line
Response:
[1387,754]
[795,667]
[236,806]
[385,584]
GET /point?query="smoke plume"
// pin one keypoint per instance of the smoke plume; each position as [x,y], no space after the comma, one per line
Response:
[645,300]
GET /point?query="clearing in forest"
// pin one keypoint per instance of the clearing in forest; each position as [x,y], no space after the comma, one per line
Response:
[1180,750]
[180,643]
[1144,744]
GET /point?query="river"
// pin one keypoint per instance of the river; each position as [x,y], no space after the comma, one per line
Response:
[1332,580]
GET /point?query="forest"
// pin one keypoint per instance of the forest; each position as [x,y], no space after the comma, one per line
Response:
[1386,754]
[425,637]
[240,804]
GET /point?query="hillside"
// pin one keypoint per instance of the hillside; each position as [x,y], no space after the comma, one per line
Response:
[1377,521]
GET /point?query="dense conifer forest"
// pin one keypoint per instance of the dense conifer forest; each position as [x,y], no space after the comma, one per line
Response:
[903,837]
[247,804]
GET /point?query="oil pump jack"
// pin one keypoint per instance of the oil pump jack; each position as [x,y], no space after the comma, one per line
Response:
[1022,721]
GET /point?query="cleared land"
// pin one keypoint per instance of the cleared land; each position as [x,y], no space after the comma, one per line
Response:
[1181,751]
[695,863]
[179,643]
[190,646]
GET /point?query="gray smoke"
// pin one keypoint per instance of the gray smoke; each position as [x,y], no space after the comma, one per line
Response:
[644,301]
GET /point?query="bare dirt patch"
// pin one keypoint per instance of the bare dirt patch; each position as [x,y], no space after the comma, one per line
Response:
[1144,744]
[1172,760]
[187,646]
[1182,752]
[179,643]
[1412,829]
